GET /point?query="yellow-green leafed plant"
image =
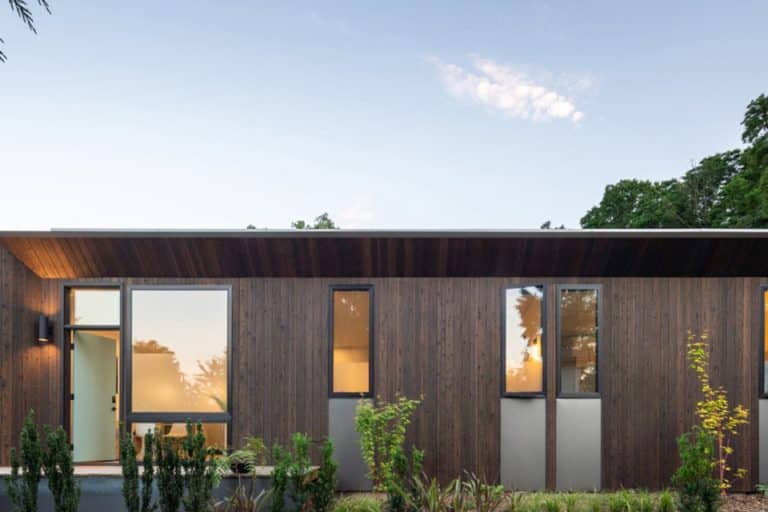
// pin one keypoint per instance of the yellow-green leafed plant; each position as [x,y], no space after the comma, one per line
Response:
[382,430]
[357,504]
[715,413]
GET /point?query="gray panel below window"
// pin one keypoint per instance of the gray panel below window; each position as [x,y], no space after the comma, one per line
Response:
[524,443]
[578,444]
[762,426]
[341,429]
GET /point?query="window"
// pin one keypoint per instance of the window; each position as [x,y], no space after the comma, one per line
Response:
[351,341]
[764,368]
[179,354]
[578,337]
[523,366]
[215,433]
[93,306]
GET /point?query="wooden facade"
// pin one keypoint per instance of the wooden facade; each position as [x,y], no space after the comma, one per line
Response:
[438,337]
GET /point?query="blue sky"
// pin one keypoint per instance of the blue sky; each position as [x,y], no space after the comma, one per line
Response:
[387,115]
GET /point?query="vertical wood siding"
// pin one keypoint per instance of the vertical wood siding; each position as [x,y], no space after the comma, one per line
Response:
[440,338]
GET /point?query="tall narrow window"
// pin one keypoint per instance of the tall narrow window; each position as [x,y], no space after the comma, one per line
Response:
[764,370]
[578,325]
[523,341]
[351,317]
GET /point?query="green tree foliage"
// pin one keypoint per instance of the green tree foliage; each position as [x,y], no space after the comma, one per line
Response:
[21,8]
[148,475]
[725,190]
[323,221]
[60,472]
[198,472]
[22,490]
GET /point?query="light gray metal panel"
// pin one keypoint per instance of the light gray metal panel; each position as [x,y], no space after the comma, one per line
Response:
[341,429]
[524,443]
[578,444]
[762,438]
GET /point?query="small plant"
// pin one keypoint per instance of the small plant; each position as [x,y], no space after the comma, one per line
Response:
[619,502]
[170,481]
[382,431]
[148,475]
[571,502]
[401,487]
[429,496]
[666,501]
[244,499]
[715,413]
[130,472]
[252,454]
[552,504]
[762,489]
[357,504]
[22,491]
[60,471]
[298,471]
[323,488]
[697,489]
[199,475]
[279,476]
[644,502]
[596,502]
[484,497]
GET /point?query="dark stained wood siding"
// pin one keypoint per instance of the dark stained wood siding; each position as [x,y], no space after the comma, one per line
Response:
[440,338]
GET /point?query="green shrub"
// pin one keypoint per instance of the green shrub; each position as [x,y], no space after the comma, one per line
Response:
[170,481]
[279,477]
[298,471]
[697,489]
[382,429]
[484,497]
[130,472]
[357,504]
[644,502]
[22,491]
[552,504]
[199,473]
[323,487]
[60,471]
[619,502]
[148,475]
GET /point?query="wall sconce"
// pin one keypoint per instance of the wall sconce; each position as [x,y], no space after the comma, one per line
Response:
[43,329]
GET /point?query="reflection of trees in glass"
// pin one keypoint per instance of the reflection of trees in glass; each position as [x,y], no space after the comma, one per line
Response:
[578,335]
[197,391]
[211,381]
[529,311]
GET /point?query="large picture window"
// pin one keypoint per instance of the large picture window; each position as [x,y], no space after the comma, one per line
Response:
[179,353]
[578,339]
[523,367]
[351,335]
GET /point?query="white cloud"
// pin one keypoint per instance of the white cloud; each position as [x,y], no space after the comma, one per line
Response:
[356,216]
[507,90]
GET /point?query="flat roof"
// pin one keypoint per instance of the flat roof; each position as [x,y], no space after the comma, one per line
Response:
[361,253]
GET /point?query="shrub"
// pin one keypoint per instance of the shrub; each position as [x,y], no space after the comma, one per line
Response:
[244,499]
[170,481]
[357,504]
[22,491]
[198,471]
[484,497]
[58,468]
[148,475]
[279,476]
[298,471]
[323,487]
[382,430]
[552,504]
[130,471]
[715,413]
[697,489]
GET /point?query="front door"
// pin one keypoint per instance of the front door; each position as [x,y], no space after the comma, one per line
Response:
[94,400]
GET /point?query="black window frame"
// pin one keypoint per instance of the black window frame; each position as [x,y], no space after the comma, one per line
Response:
[371,339]
[761,361]
[132,417]
[503,369]
[598,288]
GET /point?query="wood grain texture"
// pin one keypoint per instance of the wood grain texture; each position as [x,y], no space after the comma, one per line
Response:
[440,338]
[367,256]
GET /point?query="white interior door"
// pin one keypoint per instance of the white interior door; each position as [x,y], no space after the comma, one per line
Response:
[94,386]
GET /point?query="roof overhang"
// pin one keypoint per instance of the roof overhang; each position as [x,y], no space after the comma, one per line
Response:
[73,254]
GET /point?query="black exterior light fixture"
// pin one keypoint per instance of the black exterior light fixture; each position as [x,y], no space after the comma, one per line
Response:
[43,329]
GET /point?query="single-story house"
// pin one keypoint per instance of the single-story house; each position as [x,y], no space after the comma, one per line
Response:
[545,358]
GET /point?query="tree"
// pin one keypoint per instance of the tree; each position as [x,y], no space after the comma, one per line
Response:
[323,221]
[725,190]
[21,8]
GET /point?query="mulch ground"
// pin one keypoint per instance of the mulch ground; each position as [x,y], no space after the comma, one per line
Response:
[745,503]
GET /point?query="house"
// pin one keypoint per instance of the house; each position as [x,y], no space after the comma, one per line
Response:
[546,358]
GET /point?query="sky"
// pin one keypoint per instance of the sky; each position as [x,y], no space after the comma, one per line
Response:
[466,115]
